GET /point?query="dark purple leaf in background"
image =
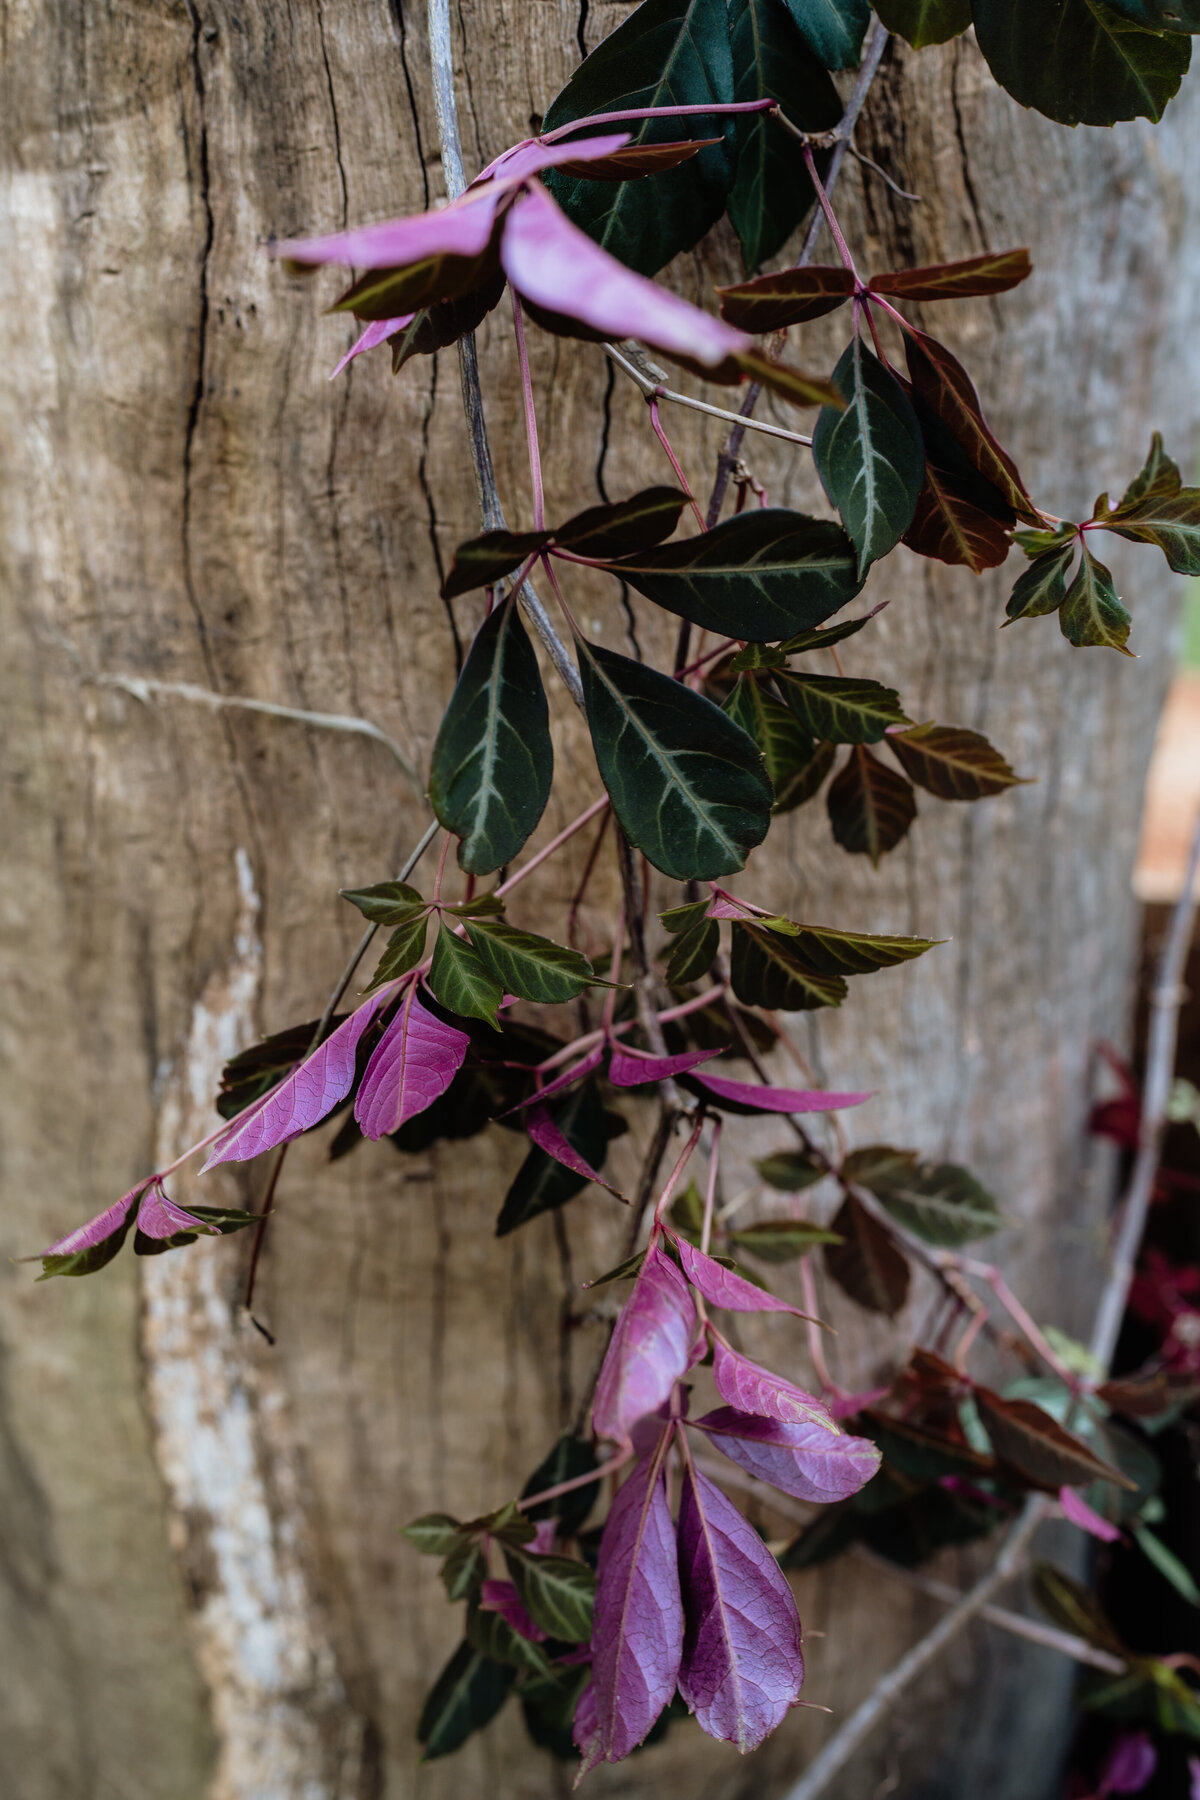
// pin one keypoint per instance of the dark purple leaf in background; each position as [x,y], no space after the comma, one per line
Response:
[413,1064]
[160,1217]
[773,1099]
[806,1461]
[649,1349]
[751,1389]
[637,1638]
[502,1597]
[741,1668]
[722,1287]
[585,1066]
[547,1136]
[312,1090]
[629,1068]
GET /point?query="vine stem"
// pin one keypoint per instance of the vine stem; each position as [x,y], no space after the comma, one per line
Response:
[556,843]
[1165,1001]
[718,110]
[531,430]
[441,60]
[843,248]
[655,390]
[680,477]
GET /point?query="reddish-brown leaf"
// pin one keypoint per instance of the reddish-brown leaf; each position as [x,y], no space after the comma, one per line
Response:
[790,297]
[1038,1447]
[993,273]
[870,806]
[636,160]
[950,528]
[952,762]
[868,1265]
[941,381]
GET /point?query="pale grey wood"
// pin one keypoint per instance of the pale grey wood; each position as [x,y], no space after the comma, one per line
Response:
[184,498]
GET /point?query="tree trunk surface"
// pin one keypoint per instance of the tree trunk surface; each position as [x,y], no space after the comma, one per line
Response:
[202,1587]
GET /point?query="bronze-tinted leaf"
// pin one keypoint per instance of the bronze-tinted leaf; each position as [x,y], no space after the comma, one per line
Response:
[624,527]
[766,971]
[939,379]
[1049,1456]
[948,527]
[993,273]
[952,762]
[773,302]
[1093,615]
[488,558]
[636,160]
[868,1265]
[870,807]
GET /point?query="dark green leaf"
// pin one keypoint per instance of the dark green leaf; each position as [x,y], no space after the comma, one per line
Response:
[1158,509]
[788,749]
[466,1696]
[387,903]
[831,1533]
[493,1636]
[952,762]
[1160,15]
[692,953]
[254,1072]
[756,656]
[493,762]
[96,1256]
[920,1454]
[993,273]
[687,1214]
[781,1240]
[870,807]
[1092,614]
[436,327]
[788,297]
[824,638]
[943,385]
[484,560]
[765,970]
[1157,479]
[666,53]
[623,1272]
[687,784]
[791,1170]
[870,458]
[542,1184]
[868,1264]
[531,967]
[1078,61]
[403,951]
[433,282]
[834,28]
[570,1458]
[1167,1563]
[1043,587]
[434,1534]
[763,574]
[685,918]
[1067,1603]
[1038,542]
[459,980]
[921,1524]
[625,527]
[832,952]
[222,1219]
[464,1110]
[939,1203]
[924,22]
[841,709]
[464,1570]
[771,190]
[548,1709]
[878,1162]
[558,1593]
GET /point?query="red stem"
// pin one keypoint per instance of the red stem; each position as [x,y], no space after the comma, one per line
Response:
[680,477]
[658,112]
[843,247]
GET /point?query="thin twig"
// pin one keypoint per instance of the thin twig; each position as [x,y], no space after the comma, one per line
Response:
[654,390]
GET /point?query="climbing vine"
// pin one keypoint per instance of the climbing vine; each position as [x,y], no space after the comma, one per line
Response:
[693,110]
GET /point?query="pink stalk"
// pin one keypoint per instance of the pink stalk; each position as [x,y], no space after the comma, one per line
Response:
[815,1347]
[531,430]
[695,1004]
[578,1481]
[842,247]
[963,1348]
[864,307]
[892,313]
[680,477]
[659,112]
[710,1192]
[552,578]
[1016,1312]
[555,843]
[709,656]
[676,1175]
[161,1174]
[614,971]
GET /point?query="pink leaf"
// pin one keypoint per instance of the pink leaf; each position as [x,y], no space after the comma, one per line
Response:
[313,1089]
[532,155]
[105,1225]
[377,332]
[412,1065]
[160,1217]
[1194,1778]
[585,1066]
[723,1287]
[741,1667]
[752,1389]
[724,906]
[502,1597]
[1076,1508]
[806,1461]
[631,1068]
[1130,1766]
[772,1099]
[557,266]
[648,1351]
[848,1404]
[463,228]
[637,1637]
[548,1137]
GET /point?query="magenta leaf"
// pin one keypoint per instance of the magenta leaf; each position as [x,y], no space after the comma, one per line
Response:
[772,1099]
[160,1217]
[313,1089]
[1076,1508]
[557,266]
[1131,1764]
[413,1064]
[806,1461]
[502,1597]
[97,1231]
[637,1637]
[532,156]
[377,332]
[630,1068]
[741,1668]
[585,1066]
[724,906]
[648,1351]
[547,1136]
[725,1288]
[463,228]
[751,1389]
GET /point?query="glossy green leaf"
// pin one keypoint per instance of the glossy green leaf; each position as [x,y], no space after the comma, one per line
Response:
[841,709]
[824,638]
[688,786]
[434,1534]
[868,1264]
[387,903]
[484,560]
[458,978]
[558,1594]
[624,527]
[464,1570]
[939,1203]
[542,1184]
[571,1457]
[403,951]
[834,28]
[692,953]
[493,762]
[791,1170]
[763,574]
[666,53]
[870,458]
[1092,615]
[686,917]
[781,1240]
[1156,508]
[870,807]
[466,1696]
[771,190]
[1079,61]
[494,1637]
[767,971]
[952,762]
[1160,15]
[787,297]
[531,967]
[438,326]
[833,952]
[788,749]
[1039,541]
[624,1271]
[924,22]
[1043,587]
[1157,479]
